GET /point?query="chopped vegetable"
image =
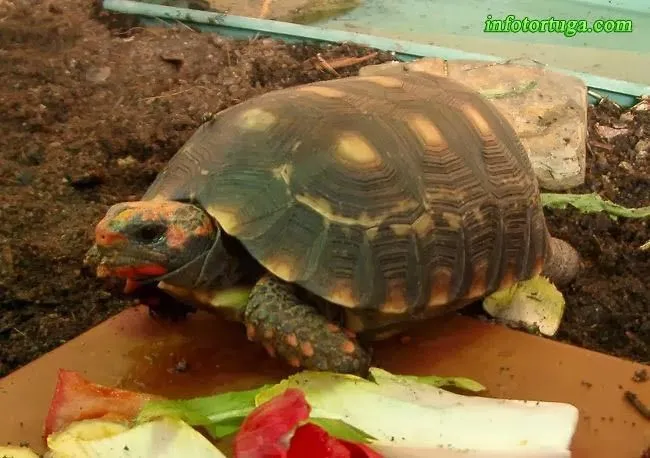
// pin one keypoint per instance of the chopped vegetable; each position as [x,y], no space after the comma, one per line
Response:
[279,428]
[220,414]
[75,398]
[162,438]
[535,303]
[264,432]
[458,382]
[386,415]
[17,452]
[592,203]
[409,418]
[310,440]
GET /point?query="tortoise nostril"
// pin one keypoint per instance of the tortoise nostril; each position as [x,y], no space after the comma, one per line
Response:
[106,238]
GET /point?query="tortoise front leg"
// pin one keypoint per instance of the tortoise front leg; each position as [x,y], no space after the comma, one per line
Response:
[298,333]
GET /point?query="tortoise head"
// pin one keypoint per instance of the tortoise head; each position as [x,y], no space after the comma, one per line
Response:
[154,240]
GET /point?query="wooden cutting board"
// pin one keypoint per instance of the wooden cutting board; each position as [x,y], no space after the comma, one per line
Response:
[205,355]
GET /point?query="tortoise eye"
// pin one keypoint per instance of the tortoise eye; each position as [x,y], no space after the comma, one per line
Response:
[150,233]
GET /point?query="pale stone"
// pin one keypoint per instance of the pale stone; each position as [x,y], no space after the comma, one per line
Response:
[548,110]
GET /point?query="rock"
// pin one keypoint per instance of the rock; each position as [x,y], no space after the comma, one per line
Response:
[642,131]
[625,166]
[98,74]
[627,116]
[643,105]
[642,145]
[547,109]
[127,161]
[609,133]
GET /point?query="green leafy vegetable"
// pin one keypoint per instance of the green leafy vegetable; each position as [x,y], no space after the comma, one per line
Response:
[342,430]
[225,427]
[535,303]
[221,414]
[398,415]
[457,382]
[231,297]
[592,203]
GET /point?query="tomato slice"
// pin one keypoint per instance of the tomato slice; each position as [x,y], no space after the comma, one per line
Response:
[76,398]
[277,429]
[361,450]
[313,441]
[264,432]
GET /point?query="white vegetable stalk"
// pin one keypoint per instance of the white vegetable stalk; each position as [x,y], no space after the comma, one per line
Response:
[163,438]
[410,419]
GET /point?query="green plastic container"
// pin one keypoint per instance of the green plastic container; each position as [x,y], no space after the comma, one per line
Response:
[622,92]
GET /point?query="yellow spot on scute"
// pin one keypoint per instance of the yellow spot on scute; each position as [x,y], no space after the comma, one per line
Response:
[257,119]
[341,292]
[508,279]
[427,131]
[440,284]
[283,266]
[400,229]
[396,301]
[479,280]
[354,148]
[453,220]
[424,225]
[477,120]
[371,233]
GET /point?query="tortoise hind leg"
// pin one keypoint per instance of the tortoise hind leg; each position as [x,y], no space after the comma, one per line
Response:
[563,264]
[298,333]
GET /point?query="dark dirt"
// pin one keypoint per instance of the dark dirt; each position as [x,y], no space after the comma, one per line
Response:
[90,110]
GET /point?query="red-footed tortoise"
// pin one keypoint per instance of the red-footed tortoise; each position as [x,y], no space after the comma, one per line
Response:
[368,202]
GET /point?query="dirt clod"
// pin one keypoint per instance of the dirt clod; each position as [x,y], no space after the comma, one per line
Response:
[640,406]
[640,376]
[90,112]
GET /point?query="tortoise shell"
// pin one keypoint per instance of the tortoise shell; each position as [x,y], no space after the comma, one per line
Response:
[399,194]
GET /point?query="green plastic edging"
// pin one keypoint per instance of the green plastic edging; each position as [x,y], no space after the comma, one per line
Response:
[624,93]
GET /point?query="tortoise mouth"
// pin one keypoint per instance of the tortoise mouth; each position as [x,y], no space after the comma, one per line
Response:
[128,263]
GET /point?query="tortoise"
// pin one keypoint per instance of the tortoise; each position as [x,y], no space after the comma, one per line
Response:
[363,204]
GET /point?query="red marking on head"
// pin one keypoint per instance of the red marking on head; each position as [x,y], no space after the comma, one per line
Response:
[106,237]
[142,270]
[204,229]
[176,237]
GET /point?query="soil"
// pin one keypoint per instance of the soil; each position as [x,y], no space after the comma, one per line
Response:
[92,107]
